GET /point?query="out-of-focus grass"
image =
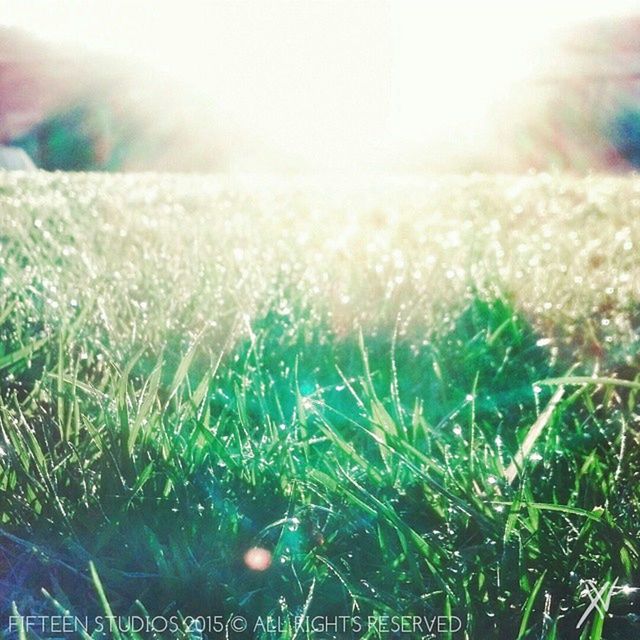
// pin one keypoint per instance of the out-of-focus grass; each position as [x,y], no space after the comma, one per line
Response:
[191,367]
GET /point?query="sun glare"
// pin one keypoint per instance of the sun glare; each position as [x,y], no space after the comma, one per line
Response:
[326,84]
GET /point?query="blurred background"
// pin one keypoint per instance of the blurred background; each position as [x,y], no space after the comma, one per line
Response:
[296,87]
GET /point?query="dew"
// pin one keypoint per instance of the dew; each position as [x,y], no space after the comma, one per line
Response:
[294,523]
[365,584]
[284,308]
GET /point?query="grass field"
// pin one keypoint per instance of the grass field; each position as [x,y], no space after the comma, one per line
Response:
[419,397]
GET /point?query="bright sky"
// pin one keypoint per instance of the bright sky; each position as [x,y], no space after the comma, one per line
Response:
[327,81]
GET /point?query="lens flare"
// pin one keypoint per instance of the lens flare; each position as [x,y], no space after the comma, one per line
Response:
[258,559]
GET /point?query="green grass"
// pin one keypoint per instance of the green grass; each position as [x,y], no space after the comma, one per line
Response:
[364,382]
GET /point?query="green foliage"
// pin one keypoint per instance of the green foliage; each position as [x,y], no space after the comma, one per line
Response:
[146,449]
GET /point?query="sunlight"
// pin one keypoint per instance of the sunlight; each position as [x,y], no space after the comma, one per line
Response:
[325,84]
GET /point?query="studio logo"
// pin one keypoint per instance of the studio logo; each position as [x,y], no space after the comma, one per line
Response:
[600,598]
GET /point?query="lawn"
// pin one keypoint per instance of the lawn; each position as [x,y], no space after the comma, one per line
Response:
[370,405]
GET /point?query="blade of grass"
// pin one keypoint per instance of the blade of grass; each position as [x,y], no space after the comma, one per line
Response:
[532,436]
[587,380]
[528,608]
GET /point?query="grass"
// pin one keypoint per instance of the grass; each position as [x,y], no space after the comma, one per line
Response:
[420,397]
